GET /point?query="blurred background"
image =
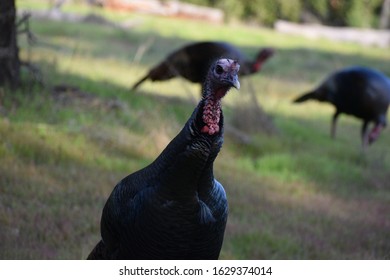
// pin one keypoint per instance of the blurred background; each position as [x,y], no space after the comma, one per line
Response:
[71,127]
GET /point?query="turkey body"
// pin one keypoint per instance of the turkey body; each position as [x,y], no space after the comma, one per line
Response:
[174,208]
[193,61]
[358,91]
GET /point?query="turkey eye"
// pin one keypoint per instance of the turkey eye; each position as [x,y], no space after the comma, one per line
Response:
[219,69]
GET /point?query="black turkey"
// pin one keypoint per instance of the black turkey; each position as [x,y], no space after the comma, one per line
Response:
[174,208]
[193,61]
[358,91]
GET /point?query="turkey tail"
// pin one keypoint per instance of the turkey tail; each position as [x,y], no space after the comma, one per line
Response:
[135,86]
[305,97]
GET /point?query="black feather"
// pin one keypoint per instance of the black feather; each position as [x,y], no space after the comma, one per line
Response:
[193,61]
[305,97]
[358,91]
[174,208]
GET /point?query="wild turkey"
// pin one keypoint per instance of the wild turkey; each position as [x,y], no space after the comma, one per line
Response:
[193,61]
[174,208]
[358,91]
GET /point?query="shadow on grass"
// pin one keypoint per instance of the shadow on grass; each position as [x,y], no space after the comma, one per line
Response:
[151,48]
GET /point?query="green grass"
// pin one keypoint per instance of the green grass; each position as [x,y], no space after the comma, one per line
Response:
[296,194]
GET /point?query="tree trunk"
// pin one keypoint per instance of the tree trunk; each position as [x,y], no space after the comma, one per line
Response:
[9,52]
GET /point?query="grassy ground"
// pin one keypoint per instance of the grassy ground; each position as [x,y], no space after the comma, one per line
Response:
[293,195]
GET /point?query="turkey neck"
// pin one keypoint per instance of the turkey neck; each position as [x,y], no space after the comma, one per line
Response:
[187,161]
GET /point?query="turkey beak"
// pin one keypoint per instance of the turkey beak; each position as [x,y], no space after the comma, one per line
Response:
[232,73]
[235,82]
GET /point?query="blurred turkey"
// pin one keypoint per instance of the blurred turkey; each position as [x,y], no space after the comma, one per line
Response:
[358,91]
[174,208]
[193,61]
